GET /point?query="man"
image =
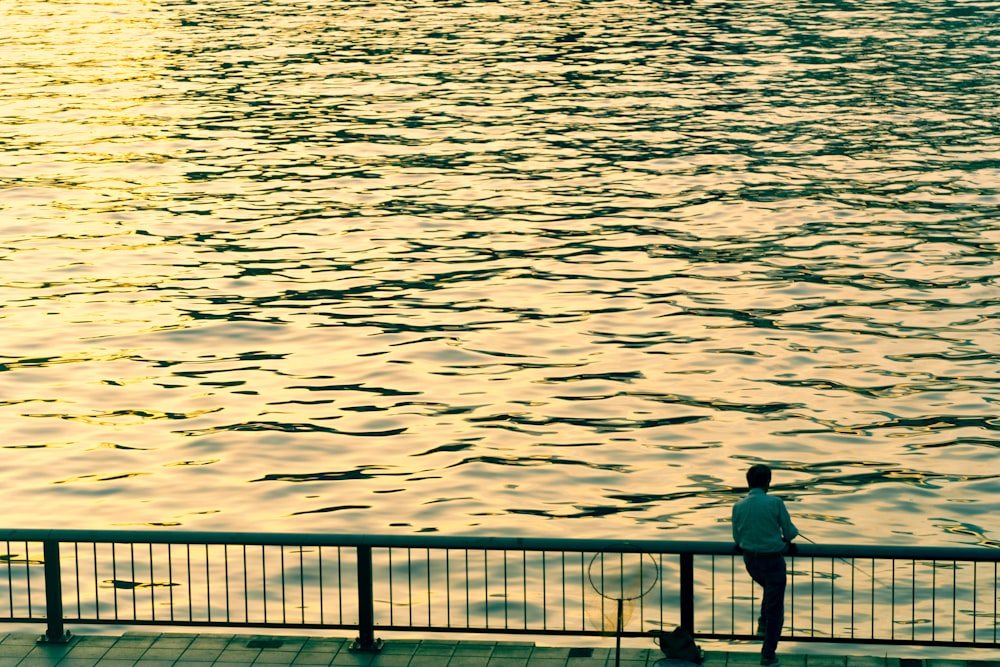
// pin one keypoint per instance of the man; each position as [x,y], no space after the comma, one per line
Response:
[763,532]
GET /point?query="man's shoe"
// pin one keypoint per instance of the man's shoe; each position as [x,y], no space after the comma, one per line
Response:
[770,662]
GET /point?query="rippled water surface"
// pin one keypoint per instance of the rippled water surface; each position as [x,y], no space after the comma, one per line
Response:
[533,268]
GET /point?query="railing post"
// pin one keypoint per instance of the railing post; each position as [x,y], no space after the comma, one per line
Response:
[55,633]
[687,591]
[366,641]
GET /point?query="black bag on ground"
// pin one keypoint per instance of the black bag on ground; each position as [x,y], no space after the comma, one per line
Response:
[679,645]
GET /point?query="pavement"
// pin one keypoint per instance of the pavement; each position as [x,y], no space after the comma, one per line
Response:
[178,649]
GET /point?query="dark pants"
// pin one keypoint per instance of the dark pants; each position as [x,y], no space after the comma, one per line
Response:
[771,574]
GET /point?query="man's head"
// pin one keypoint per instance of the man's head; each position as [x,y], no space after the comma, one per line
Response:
[759,476]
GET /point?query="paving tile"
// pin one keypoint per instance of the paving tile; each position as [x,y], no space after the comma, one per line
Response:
[330,649]
[359,658]
[427,660]
[546,662]
[200,654]
[98,640]
[46,653]
[502,650]
[40,662]
[865,661]
[22,638]
[588,662]
[743,660]
[171,641]
[136,641]
[549,652]
[474,648]
[313,658]
[825,660]
[328,640]
[85,650]
[212,642]
[77,662]
[283,659]
[327,648]
[469,661]
[400,648]
[14,662]
[45,648]
[636,654]
[241,656]
[598,658]
[287,646]
[595,654]
[521,661]
[155,653]
[433,647]
[118,652]
[330,652]
[391,660]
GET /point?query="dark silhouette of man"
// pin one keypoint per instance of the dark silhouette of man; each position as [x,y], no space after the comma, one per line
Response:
[763,531]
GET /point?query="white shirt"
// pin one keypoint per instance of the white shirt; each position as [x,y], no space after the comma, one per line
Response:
[761,523]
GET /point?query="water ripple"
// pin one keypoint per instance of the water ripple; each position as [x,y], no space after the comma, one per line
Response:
[417,254]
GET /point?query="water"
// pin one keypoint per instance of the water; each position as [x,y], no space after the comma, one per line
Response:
[503,268]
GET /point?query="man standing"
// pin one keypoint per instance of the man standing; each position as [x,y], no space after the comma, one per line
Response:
[763,531]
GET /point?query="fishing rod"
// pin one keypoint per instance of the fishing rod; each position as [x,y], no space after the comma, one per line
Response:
[851,563]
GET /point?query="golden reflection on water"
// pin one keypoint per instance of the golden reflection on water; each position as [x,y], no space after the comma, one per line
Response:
[521,268]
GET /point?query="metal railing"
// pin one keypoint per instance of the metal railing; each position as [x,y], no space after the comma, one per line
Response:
[856,594]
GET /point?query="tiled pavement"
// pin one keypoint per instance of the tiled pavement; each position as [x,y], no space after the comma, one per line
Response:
[142,649]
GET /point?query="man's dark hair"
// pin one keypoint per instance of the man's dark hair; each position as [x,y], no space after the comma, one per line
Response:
[759,476]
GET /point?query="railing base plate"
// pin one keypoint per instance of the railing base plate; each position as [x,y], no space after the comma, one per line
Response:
[66,638]
[357,646]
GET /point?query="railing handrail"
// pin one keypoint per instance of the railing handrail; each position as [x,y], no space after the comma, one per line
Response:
[489,543]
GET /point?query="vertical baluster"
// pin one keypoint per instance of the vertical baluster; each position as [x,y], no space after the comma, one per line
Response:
[447,586]
[225,565]
[322,587]
[284,603]
[170,576]
[152,587]
[853,571]
[302,582]
[506,597]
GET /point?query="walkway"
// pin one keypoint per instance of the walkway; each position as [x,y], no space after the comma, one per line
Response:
[149,649]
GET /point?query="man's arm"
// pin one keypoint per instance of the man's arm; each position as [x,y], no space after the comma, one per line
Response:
[788,530]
